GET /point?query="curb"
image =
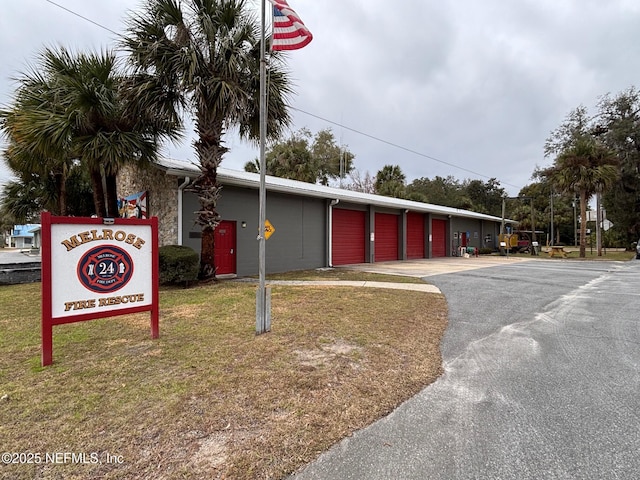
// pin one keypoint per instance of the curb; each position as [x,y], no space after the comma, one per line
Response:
[416,287]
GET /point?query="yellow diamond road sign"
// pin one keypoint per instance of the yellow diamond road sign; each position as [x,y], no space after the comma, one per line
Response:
[268,229]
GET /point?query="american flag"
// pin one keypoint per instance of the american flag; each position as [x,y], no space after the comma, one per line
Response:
[289,33]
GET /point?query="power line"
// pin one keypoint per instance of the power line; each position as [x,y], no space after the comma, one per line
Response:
[373,137]
[83,17]
[395,145]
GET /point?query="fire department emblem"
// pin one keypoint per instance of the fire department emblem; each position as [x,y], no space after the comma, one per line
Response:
[105,269]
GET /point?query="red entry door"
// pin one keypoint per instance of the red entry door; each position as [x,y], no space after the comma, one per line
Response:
[225,248]
[463,239]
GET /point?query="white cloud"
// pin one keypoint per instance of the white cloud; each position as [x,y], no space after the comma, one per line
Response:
[475,84]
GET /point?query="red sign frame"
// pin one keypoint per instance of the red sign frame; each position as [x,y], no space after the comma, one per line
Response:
[49,320]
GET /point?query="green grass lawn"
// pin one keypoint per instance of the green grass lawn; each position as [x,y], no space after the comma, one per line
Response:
[209,398]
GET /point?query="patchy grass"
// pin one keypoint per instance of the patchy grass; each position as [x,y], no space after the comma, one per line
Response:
[607,255]
[209,398]
[574,254]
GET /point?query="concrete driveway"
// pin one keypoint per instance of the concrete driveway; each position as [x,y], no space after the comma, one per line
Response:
[13,256]
[542,381]
[437,266]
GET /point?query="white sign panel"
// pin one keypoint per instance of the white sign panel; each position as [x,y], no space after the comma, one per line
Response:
[100,268]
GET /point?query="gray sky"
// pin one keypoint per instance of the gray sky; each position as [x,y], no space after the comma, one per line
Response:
[469,89]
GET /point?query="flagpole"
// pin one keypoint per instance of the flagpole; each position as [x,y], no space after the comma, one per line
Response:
[261,297]
[286,19]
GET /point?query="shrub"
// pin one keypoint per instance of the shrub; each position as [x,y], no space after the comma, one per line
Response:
[485,251]
[178,265]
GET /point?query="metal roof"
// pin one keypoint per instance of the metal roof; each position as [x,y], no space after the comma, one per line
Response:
[294,187]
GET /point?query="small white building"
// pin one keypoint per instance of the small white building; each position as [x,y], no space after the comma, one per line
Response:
[24,236]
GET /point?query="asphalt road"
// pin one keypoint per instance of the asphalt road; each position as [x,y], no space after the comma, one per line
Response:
[542,381]
[12,255]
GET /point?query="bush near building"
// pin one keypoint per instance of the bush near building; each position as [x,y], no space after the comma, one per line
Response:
[178,265]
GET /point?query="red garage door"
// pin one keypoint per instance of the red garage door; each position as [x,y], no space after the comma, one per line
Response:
[439,244]
[347,237]
[415,235]
[386,239]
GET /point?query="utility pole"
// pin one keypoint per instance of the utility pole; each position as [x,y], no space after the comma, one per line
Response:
[598,224]
[552,241]
[533,229]
[501,236]
[575,223]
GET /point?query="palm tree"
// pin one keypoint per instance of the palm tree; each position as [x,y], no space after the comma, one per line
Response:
[586,167]
[41,182]
[22,202]
[254,167]
[40,164]
[205,54]
[81,108]
[108,125]
[391,182]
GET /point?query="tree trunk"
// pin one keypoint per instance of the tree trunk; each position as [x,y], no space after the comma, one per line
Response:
[208,191]
[207,260]
[583,223]
[61,187]
[210,151]
[98,192]
[112,196]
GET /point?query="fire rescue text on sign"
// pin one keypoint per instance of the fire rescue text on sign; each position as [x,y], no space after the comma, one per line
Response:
[103,302]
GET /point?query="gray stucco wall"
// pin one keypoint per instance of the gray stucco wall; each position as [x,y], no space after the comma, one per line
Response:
[482,233]
[301,237]
[298,242]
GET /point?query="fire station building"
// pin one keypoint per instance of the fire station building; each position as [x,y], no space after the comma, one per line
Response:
[315,226]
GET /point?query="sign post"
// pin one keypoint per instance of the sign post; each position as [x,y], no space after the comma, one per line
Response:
[95,268]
